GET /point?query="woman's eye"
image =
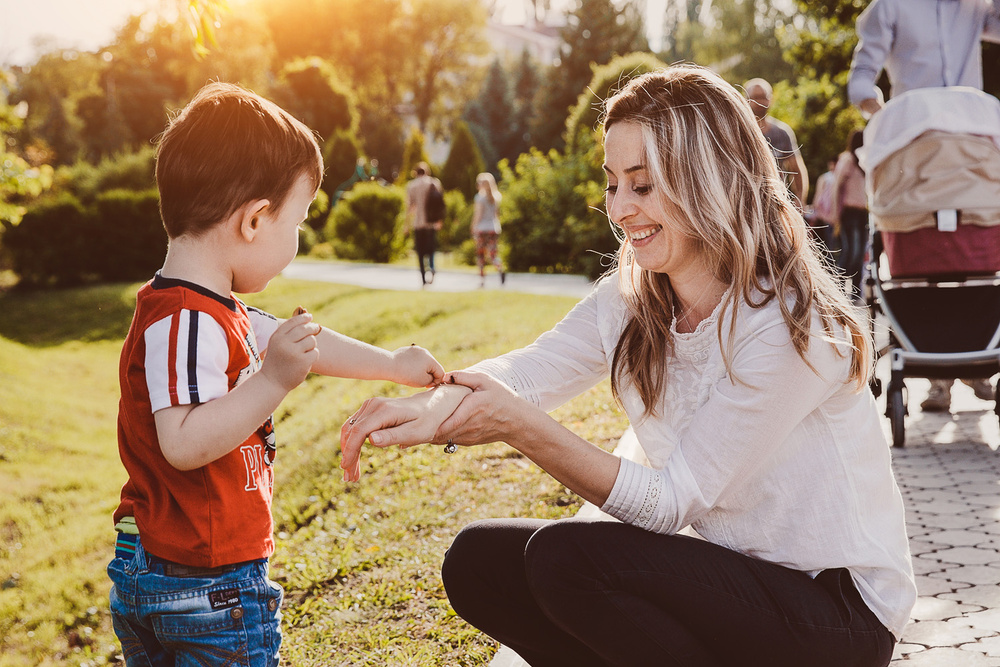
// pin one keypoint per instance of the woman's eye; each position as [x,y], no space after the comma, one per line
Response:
[641,189]
[611,189]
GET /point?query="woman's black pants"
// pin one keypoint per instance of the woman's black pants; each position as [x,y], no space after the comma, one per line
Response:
[578,593]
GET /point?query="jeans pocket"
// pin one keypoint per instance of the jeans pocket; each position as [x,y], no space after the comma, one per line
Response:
[216,637]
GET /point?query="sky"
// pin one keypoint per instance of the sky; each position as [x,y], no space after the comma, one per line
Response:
[89,24]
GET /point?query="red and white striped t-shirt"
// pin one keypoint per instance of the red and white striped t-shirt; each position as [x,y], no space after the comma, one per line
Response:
[188,345]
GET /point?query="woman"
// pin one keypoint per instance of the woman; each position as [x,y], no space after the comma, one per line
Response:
[743,371]
[850,205]
[486,226]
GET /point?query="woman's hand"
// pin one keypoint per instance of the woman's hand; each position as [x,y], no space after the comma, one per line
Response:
[408,421]
[416,367]
[491,413]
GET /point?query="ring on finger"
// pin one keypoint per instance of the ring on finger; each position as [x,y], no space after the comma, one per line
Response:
[451,447]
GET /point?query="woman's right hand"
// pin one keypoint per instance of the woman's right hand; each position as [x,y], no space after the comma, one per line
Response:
[408,421]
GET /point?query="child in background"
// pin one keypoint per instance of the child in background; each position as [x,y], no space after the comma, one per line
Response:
[486,226]
[201,375]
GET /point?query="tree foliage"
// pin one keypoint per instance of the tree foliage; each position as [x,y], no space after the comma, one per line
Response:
[413,152]
[311,90]
[596,31]
[463,164]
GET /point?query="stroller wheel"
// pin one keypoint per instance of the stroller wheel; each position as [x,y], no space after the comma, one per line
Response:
[896,411]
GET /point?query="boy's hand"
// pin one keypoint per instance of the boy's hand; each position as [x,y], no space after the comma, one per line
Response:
[292,350]
[416,367]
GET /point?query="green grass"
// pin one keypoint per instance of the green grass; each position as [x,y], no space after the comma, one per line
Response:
[359,562]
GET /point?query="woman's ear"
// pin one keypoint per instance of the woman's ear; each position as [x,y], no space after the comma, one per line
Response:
[250,218]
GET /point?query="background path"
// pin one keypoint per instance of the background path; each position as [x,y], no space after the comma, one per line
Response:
[948,472]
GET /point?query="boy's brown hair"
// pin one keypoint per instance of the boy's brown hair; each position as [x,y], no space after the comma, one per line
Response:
[227,147]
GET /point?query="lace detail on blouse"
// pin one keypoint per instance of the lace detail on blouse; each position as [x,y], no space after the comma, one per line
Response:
[650,502]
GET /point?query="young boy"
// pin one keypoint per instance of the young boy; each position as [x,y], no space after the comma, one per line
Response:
[201,374]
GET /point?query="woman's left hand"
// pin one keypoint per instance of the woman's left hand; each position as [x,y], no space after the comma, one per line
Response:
[491,413]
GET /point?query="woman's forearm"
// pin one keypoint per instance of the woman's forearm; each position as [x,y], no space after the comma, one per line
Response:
[581,466]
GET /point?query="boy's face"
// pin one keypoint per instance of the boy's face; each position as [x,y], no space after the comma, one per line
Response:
[277,239]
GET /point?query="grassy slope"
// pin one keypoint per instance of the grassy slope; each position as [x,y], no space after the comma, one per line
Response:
[359,562]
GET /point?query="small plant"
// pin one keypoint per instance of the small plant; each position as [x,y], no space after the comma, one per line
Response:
[365,224]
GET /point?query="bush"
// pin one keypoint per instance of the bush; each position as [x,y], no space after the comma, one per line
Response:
[50,245]
[366,222]
[129,239]
[552,213]
[61,242]
[458,219]
[127,171]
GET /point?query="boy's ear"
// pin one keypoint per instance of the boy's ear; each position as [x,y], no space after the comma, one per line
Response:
[250,218]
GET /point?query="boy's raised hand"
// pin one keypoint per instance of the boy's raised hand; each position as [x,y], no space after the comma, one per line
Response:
[292,350]
[416,367]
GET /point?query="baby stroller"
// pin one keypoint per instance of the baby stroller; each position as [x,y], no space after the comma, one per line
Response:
[932,164]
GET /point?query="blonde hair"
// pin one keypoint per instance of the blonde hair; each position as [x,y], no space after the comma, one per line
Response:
[713,170]
[492,192]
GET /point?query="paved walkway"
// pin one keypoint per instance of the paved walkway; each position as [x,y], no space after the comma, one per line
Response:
[949,474]
[394,277]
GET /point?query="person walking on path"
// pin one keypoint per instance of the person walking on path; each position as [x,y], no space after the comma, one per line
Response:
[922,44]
[743,370]
[418,194]
[486,226]
[780,138]
[850,207]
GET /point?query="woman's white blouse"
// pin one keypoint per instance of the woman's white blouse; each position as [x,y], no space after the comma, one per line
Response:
[779,461]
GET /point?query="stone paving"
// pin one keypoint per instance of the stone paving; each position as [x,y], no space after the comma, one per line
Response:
[949,474]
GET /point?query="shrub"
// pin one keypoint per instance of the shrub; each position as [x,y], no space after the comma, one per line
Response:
[129,239]
[458,219]
[128,171]
[52,244]
[365,223]
[552,213]
[61,242]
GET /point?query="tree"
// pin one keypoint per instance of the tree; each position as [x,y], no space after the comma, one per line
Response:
[445,35]
[464,162]
[743,40]
[607,79]
[525,82]
[413,152]
[596,31]
[19,181]
[491,116]
[310,90]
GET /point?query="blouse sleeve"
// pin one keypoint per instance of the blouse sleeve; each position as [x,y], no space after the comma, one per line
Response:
[735,432]
[563,362]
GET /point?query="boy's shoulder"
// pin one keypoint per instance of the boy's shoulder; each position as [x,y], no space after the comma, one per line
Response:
[171,294]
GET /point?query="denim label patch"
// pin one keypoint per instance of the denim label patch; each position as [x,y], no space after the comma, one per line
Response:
[224,599]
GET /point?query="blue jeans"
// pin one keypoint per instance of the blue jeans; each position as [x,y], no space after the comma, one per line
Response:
[170,614]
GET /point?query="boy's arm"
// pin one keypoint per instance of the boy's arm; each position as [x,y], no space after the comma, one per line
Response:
[342,356]
[192,436]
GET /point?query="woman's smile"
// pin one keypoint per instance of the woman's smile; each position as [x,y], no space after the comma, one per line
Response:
[640,237]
